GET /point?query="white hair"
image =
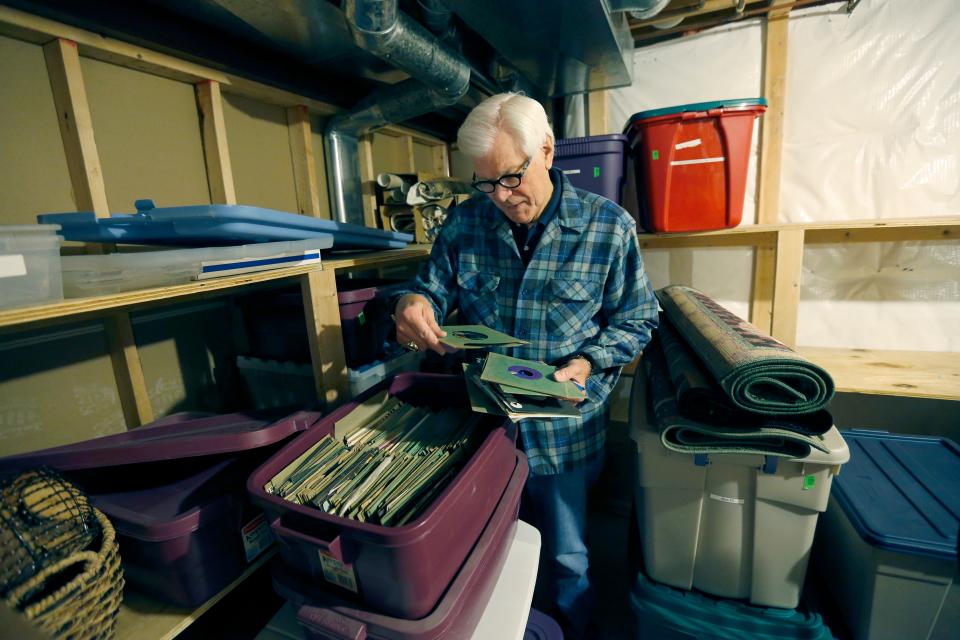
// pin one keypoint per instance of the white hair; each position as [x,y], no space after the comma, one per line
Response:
[514,113]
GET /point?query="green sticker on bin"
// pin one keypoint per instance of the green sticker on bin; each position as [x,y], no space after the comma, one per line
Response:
[656,154]
[809,482]
[362,319]
[596,172]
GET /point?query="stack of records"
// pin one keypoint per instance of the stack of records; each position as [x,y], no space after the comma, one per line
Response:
[520,389]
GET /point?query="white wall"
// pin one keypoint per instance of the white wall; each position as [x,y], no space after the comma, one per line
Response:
[872,130]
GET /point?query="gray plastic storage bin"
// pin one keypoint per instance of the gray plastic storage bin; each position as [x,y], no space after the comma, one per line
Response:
[731,525]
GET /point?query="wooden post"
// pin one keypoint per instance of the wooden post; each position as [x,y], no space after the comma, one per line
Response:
[304,167]
[128,371]
[599,108]
[86,176]
[215,150]
[771,151]
[368,181]
[441,159]
[786,287]
[76,126]
[322,313]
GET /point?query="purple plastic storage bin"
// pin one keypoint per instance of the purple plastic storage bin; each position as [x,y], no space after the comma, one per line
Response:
[326,617]
[399,571]
[595,163]
[277,329]
[175,493]
[540,626]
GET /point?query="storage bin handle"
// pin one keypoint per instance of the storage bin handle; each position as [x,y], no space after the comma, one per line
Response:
[332,624]
[284,534]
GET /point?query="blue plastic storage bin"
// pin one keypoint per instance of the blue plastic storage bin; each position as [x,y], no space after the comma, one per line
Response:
[665,613]
[219,224]
[887,545]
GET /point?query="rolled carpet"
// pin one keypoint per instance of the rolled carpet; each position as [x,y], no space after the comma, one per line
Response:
[757,372]
[699,397]
[682,434]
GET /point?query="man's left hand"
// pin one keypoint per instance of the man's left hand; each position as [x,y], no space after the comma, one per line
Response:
[577,370]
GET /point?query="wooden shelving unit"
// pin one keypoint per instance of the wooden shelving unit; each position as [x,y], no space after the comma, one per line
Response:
[774,307]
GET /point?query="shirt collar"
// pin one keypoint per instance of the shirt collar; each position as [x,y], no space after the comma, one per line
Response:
[553,205]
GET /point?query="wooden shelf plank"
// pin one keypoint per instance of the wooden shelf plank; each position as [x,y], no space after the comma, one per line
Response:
[144,617]
[83,306]
[918,374]
[876,230]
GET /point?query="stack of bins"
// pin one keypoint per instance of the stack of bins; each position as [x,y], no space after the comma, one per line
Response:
[690,164]
[887,547]
[175,493]
[421,580]
[730,525]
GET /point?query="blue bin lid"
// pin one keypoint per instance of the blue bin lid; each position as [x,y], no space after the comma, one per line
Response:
[902,493]
[697,106]
[678,613]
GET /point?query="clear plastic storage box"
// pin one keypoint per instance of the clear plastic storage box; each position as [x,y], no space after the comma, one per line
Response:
[29,265]
[94,275]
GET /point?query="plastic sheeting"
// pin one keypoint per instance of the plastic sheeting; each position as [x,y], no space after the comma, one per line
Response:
[872,130]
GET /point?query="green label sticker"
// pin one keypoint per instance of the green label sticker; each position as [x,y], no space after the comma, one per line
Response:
[809,482]
[362,319]
[596,172]
[656,154]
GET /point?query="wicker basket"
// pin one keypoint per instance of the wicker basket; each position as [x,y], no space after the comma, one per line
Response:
[77,597]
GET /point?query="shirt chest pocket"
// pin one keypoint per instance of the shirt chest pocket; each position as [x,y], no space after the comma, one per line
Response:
[478,297]
[573,302]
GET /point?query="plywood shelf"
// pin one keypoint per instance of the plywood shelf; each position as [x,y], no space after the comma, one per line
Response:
[917,374]
[75,307]
[142,616]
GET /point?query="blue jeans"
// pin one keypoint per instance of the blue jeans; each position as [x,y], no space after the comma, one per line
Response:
[557,506]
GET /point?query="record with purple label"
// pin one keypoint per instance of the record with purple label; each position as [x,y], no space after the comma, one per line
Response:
[524,373]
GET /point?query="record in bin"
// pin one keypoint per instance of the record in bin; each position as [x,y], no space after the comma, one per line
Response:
[690,164]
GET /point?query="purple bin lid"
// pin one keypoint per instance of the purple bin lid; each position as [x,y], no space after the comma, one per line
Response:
[540,626]
[177,439]
[169,511]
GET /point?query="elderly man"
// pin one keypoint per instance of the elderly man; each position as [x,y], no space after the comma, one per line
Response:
[534,257]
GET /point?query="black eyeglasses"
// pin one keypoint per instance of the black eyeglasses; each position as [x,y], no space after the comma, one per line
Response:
[508,180]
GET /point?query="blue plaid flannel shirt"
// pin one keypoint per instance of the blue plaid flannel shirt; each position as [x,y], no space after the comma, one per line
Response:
[585,291]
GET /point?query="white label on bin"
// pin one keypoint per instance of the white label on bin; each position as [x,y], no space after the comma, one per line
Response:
[571,172]
[257,537]
[714,496]
[338,573]
[696,142]
[12,266]
[697,161]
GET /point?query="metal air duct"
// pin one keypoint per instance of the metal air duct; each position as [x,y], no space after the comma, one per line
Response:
[439,78]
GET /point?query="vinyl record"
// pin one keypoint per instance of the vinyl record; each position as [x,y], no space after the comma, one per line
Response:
[524,373]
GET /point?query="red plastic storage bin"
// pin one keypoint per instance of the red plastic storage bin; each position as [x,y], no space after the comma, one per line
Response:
[325,617]
[690,164]
[399,571]
[175,493]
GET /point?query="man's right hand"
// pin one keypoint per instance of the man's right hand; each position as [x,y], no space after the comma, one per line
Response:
[417,326]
